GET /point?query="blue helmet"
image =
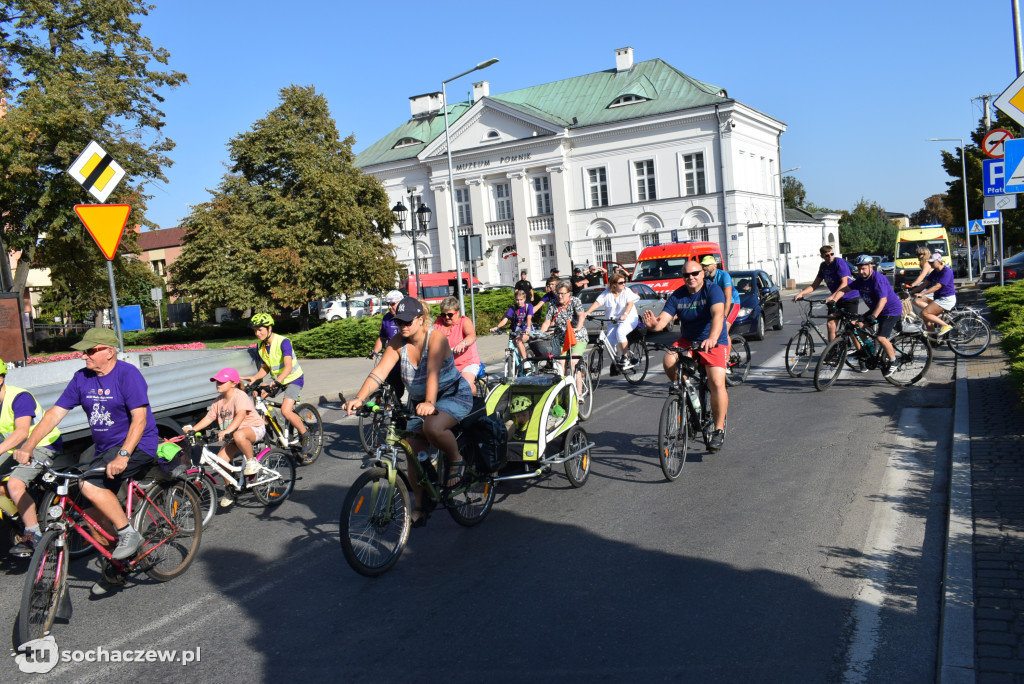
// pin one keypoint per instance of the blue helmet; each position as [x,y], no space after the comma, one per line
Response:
[865,259]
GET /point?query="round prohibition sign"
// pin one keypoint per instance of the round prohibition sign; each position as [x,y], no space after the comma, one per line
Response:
[992,143]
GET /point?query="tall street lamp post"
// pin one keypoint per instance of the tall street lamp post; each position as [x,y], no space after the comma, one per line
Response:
[421,221]
[967,221]
[451,178]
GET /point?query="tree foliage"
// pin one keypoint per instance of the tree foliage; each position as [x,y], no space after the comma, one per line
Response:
[934,211]
[793,192]
[292,221]
[72,71]
[866,230]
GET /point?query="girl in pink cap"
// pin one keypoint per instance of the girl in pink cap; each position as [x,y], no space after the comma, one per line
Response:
[234,413]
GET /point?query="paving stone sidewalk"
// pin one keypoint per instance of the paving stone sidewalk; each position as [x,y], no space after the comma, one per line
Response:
[997,470]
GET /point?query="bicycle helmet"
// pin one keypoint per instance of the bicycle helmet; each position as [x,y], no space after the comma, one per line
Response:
[393,297]
[521,403]
[865,259]
[263,319]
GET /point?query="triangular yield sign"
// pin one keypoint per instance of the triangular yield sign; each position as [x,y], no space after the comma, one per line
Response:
[105,222]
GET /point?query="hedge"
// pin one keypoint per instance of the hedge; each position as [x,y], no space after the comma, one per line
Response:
[1007,305]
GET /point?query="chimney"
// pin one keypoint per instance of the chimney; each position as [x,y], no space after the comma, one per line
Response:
[480,90]
[623,59]
[424,105]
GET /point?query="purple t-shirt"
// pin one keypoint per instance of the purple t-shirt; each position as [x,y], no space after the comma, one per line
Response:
[286,350]
[833,274]
[388,327]
[694,311]
[873,289]
[108,401]
[519,316]
[944,278]
[25,405]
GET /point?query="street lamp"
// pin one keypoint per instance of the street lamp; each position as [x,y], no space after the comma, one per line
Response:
[967,222]
[785,236]
[422,221]
[451,178]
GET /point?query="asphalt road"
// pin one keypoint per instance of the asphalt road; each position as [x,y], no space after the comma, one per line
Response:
[807,550]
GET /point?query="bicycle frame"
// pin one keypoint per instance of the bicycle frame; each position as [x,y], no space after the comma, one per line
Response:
[226,470]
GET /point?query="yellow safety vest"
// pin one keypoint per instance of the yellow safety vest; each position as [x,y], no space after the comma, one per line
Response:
[272,356]
[7,417]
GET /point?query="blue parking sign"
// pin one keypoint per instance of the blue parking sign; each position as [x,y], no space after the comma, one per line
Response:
[1013,172]
[993,176]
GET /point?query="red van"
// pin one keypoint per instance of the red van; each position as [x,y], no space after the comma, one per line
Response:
[661,266]
[437,286]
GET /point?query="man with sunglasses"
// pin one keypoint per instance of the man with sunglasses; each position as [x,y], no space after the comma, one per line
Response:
[115,397]
[388,329]
[700,307]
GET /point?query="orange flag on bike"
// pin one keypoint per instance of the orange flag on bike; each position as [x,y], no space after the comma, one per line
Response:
[570,338]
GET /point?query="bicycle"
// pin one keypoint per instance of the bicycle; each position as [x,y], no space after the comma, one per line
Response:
[280,431]
[375,517]
[800,348]
[970,334]
[271,485]
[10,517]
[686,412]
[738,365]
[637,356]
[913,355]
[373,426]
[515,365]
[164,512]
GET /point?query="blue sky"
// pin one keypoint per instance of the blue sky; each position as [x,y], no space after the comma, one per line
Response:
[861,86]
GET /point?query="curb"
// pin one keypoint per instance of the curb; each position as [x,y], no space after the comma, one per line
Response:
[956,620]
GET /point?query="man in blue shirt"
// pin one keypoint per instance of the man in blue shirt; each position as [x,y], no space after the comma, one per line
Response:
[836,274]
[700,307]
[884,306]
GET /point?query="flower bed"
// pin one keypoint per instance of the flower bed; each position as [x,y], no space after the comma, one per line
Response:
[68,356]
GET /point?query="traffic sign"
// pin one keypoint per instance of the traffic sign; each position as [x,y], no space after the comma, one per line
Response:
[1011,102]
[992,176]
[956,229]
[992,143]
[1005,202]
[105,222]
[97,172]
[989,222]
[1013,172]
[976,228]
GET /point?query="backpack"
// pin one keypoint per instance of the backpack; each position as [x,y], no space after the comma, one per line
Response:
[487,443]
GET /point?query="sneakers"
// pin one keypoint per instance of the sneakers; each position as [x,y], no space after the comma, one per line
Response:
[861,367]
[228,499]
[26,546]
[943,331]
[625,364]
[304,441]
[717,440]
[128,542]
[889,369]
[252,466]
[110,580]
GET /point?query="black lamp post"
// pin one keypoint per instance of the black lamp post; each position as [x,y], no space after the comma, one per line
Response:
[415,227]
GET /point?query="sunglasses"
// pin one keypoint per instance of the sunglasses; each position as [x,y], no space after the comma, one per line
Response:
[826,256]
[90,352]
[693,274]
[448,314]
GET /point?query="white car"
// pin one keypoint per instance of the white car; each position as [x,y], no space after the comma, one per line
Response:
[335,309]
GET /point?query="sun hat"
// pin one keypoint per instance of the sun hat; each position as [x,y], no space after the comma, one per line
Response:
[95,337]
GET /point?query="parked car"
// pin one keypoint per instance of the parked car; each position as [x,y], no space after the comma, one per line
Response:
[336,308]
[887,265]
[760,303]
[1013,269]
[649,301]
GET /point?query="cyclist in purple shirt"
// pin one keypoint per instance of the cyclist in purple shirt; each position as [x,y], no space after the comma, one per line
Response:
[939,284]
[114,396]
[388,329]
[836,274]
[884,306]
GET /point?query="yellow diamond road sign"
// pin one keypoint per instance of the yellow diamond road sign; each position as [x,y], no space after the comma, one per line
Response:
[98,173]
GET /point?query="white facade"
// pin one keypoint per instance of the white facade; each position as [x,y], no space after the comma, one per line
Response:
[535,189]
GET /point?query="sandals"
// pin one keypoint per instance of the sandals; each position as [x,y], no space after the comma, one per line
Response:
[457,471]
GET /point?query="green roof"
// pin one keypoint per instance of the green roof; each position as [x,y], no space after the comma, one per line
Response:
[583,98]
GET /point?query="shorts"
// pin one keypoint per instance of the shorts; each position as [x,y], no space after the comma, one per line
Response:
[850,306]
[456,404]
[886,326]
[733,312]
[716,358]
[26,473]
[473,368]
[139,464]
[260,431]
[947,303]
[291,391]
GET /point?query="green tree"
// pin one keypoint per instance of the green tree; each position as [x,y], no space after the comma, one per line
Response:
[934,211]
[294,219]
[866,230]
[72,71]
[793,192]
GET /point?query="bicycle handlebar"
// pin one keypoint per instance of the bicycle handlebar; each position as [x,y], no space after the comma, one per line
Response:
[658,346]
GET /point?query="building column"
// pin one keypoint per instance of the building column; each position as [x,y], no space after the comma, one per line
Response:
[445,236]
[559,179]
[478,209]
[520,187]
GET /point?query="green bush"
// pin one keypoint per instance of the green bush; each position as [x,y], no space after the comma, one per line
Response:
[1010,303]
[1004,301]
[344,338]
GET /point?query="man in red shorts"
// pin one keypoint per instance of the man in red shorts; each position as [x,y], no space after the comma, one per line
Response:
[700,308]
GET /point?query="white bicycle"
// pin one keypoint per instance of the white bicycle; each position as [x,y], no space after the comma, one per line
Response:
[637,356]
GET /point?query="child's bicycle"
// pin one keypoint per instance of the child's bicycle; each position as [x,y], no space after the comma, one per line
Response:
[376,515]
[279,430]
[515,364]
[161,506]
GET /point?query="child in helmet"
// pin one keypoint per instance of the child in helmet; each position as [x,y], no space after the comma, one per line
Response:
[521,409]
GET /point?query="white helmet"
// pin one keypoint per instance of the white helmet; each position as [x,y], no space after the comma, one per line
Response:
[393,297]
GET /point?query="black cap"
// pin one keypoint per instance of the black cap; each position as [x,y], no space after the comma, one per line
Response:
[408,309]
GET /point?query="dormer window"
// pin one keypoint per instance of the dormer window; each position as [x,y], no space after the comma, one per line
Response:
[406,142]
[627,100]
[493,135]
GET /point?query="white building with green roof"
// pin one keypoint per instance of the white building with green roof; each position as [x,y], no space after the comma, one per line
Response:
[608,162]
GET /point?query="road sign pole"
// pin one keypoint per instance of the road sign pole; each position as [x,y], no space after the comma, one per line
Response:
[1002,276]
[113,299]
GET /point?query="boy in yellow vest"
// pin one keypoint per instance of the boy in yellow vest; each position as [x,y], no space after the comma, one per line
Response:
[279,361]
[19,411]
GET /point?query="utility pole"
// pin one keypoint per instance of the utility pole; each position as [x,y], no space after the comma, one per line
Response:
[1018,50]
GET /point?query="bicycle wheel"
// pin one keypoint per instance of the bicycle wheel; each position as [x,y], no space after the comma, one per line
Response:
[830,363]
[586,405]
[739,361]
[373,429]
[45,585]
[470,503]
[375,522]
[206,490]
[673,436]
[168,527]
[970,335]
[640,357]
[273,492]
[310,417]
[913,358]
[577,468]
[595,363]
[799,352]
[76,544]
